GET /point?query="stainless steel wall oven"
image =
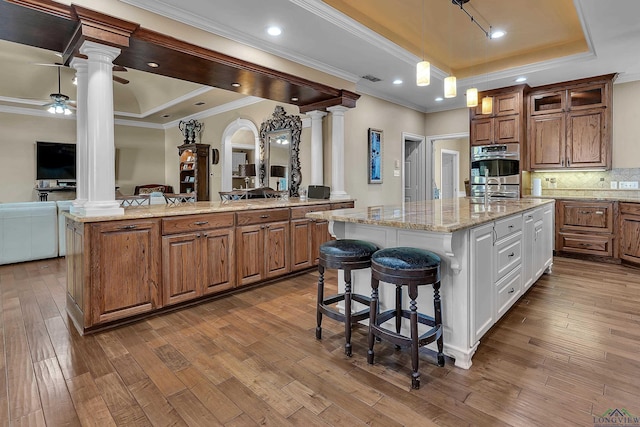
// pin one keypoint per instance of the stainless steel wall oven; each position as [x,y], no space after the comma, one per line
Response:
[501,163]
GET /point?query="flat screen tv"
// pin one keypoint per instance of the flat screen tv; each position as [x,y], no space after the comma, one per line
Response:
[55,161]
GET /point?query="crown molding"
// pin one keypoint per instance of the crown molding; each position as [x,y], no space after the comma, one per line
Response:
[230,106]
[154,110]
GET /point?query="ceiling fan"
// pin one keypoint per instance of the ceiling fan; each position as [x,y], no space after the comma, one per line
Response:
[61,103]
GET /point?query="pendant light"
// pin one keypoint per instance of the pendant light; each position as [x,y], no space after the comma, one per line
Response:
[450,90]
[472,97]
[487,105]
[423,69]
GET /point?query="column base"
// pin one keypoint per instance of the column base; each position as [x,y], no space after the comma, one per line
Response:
[76,206]
[105,208]
[339,195]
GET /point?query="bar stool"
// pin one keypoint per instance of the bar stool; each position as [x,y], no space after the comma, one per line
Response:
[347,255]
[409,267]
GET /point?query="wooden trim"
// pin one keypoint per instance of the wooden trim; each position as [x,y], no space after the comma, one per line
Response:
[47,6]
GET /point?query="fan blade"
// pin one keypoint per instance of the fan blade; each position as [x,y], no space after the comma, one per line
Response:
[119,68]
[57,64]
[120,80]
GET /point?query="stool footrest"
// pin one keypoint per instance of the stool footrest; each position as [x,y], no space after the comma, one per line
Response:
[336,315]
[332,299]
[402,340]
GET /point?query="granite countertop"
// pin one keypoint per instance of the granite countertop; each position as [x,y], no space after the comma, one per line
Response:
[632,196]
[446,216]
[166,210]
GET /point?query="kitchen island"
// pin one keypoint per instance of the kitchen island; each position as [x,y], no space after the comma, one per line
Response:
[491,255]
[159,257]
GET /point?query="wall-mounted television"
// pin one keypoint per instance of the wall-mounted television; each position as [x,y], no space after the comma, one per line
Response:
[55,161]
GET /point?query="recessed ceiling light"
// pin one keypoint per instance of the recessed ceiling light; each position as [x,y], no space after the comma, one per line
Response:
[199,103]
[166,115]
[236,84]
[294,99]
[438,99]
[497,34]
[521,79]
[397,82]
[274,31]
[153,64]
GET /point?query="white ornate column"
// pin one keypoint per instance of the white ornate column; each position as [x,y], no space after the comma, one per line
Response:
[81,66]
[100,131]
[317,162]
[337,153]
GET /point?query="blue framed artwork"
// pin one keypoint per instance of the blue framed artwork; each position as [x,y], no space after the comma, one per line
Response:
[375,156]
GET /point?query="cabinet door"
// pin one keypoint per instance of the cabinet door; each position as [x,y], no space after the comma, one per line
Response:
[276,249]
[181,262]
[540,251]
[589,96]
[630,238]
[481,287]
[301,244]
[547,102]
[507,104]
[74,239]
[481,131]
[528,250]
[586,216]
[125,269]
[506,129]
[218,261]
[319,236]
[250,254]
[586,144]
[547,141]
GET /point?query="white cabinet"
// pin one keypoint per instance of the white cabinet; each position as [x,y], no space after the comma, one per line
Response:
[481,286]
[507,257]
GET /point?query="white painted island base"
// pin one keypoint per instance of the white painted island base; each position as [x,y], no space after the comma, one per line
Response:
[484,270]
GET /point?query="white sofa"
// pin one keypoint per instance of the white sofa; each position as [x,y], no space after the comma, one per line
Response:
[28,231]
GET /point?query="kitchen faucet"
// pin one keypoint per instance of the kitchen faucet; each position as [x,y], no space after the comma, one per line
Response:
[488,181]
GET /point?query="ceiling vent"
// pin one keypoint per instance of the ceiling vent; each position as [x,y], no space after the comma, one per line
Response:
[372,79]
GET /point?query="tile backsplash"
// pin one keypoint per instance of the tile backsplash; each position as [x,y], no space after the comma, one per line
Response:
[568,183]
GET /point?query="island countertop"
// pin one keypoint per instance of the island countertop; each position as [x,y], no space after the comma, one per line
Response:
[447,215]
[191,208]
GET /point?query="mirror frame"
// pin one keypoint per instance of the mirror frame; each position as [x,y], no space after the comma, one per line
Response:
[280,121]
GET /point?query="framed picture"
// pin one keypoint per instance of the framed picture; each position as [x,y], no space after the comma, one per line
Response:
[375,156]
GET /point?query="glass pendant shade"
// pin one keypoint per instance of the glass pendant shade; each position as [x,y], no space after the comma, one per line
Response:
[450,89]
[423,73]
[487,105]
[472,97]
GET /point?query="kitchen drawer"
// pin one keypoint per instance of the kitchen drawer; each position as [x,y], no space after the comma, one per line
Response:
[262,216]
[630,208]
[509,290]
[508,226]
[342,205]
[535,214]
[508,255]
[594,244]
[299,212]
[586,216]
[190,223]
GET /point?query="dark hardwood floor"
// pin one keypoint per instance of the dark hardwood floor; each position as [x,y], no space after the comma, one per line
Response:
[568,351]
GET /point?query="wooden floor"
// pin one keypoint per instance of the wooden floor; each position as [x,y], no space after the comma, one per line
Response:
[568,351]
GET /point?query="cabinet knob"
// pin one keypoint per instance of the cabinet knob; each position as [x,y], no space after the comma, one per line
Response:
[511,226]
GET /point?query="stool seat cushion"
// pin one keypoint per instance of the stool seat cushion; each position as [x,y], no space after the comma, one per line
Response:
[348,248]
[404,258]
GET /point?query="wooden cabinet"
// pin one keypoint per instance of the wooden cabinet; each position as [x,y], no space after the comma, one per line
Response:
[262,245]
[194,170]
[124,269]
[306,236]
[585,227]
[506,122]
[197,256]
[570,124]
[629,232]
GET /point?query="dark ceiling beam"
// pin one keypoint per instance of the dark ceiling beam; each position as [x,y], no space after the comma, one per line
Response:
[52,26]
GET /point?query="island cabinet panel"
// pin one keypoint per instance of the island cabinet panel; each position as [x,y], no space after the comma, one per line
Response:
[306,236]
[76,271]
[481,287]
[125,269]
[629,232]
[262,245]
[197,256]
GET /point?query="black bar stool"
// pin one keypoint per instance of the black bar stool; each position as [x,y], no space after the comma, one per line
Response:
[347,255]
[409,267]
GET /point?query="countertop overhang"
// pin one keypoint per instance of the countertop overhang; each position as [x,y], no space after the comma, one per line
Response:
[192,208]
[445,216]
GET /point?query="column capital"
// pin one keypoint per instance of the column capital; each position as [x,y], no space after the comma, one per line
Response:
[316,114]
[338,109]
[99,51]
[79,63]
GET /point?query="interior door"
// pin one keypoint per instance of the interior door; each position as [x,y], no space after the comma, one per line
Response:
[449,174]
[411,171]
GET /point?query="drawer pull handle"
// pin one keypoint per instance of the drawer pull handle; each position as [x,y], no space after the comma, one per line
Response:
[511,254]
[511,226]
[128,227]
[264,216]
[512,290]
[585,244]
[529,216]
[599,213]
[201,223]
